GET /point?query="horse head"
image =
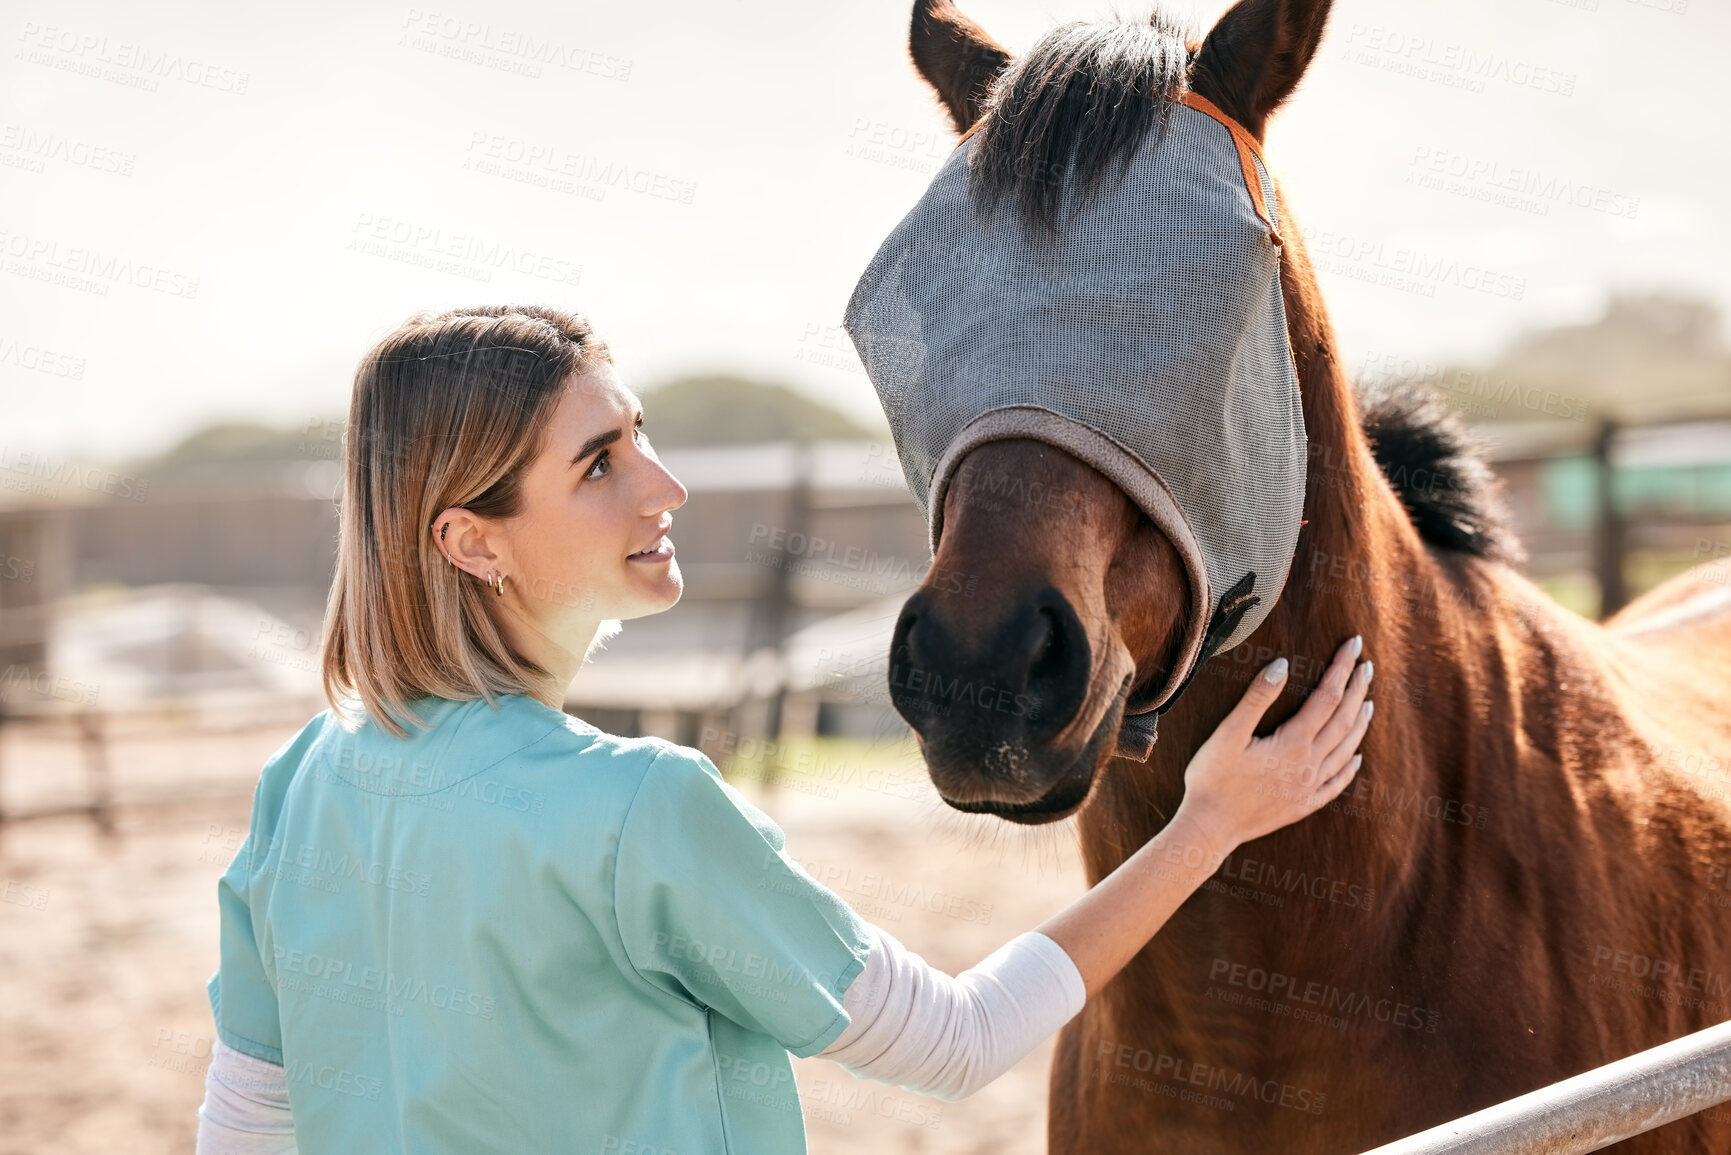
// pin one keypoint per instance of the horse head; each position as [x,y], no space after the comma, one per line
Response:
[1056,607]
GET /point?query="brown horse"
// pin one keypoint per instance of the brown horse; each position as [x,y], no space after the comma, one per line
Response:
[1530,875]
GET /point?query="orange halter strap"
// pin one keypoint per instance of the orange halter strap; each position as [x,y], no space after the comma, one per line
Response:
[1241,139]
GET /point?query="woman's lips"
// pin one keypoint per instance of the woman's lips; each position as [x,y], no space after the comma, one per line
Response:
[661,551]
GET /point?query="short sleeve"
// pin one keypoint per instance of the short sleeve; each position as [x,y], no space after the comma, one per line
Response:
[242,994]
[242,998]
[710,909]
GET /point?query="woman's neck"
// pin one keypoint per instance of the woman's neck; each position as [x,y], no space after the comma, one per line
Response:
[559,646]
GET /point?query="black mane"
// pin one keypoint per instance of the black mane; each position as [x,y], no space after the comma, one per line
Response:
[1078,100]
[1437,471]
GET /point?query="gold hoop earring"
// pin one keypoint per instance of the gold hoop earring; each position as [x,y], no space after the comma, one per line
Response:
[499,586]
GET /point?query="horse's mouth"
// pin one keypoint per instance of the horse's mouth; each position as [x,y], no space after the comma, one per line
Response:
[1072,787]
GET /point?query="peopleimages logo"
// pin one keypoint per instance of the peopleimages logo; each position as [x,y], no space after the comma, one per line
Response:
[462,254]
[871,886]
[538,162]
[43,258]
[33,149]
[1208,1076]
[1290,996]
[38,359]
[397,776]
[1452,64]
[328,1078]
[1528,187]
[1317,886]
[341,981]
[325,869]
[45,475]
[1404,267]
[48,685]
[506,49]
[122,61]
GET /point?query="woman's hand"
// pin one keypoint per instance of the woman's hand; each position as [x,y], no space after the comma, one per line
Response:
[1239,787]
[1236,788]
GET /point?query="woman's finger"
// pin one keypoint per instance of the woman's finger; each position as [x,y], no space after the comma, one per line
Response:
[1331,787]
[1346,713]
[1239,727]
[1322,700]
[1348,745]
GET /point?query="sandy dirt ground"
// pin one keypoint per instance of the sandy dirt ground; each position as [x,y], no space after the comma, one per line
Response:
[106,941]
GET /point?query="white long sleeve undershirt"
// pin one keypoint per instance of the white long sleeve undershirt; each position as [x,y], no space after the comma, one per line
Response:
[912,1025]
[246,1107]
[909,1024]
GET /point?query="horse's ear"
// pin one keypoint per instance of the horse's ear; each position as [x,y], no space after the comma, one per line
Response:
[956,57]
[1253,58]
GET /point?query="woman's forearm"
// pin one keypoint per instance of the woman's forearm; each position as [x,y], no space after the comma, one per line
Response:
[1103,930]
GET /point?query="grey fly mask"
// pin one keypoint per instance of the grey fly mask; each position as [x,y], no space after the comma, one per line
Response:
[1148,340]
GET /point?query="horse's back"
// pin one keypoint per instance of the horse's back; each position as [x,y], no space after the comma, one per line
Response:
[1672,646]
[1694,606]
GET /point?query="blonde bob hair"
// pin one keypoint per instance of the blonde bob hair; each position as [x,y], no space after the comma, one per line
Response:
[448,410]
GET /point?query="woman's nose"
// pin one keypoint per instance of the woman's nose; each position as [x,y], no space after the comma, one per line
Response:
[667,493]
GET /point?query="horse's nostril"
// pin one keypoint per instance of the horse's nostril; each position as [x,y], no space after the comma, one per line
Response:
[904,639]
[1048,650]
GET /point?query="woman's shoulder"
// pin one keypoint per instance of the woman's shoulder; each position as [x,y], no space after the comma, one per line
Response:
[517,743]
[281,768]
[570,733]
[577,758]
[639,759]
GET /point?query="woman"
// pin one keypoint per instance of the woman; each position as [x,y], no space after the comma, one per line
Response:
[466,921]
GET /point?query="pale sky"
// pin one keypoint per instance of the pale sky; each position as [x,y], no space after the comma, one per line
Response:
[263,191]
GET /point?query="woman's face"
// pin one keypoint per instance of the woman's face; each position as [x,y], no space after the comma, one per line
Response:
[589,542]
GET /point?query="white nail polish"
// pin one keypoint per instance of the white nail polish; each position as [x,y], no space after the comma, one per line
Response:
[1369,709]
[1357,644]
[1276,670]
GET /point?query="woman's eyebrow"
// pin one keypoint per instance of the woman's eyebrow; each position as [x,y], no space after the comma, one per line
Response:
[594,443]
[600,440]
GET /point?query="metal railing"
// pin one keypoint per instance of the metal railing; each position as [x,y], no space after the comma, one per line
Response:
[1595,1108]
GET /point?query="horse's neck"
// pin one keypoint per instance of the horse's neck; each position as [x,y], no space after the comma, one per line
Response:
[1440,636]
[1360,567]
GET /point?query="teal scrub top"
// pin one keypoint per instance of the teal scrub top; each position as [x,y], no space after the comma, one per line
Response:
[511,932]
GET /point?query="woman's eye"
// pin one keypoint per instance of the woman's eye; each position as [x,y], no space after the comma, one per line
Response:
[600,462]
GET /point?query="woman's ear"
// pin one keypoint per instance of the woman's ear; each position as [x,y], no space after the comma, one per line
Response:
[1255,55]
[464,540]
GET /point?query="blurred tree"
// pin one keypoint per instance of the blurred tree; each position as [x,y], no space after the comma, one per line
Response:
[689,411]
[243,442]
[722,410]
[1648,357]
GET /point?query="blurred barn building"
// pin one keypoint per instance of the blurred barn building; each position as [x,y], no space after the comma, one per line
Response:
[198,578]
